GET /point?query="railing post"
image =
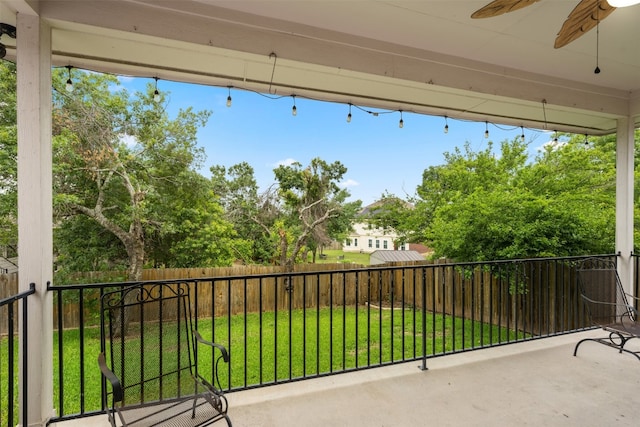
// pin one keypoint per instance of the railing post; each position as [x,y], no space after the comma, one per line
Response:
[25,351]
[11,373]
[423,366]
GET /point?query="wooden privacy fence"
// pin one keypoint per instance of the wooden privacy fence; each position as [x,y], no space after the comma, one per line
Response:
[8,287]
[537,296]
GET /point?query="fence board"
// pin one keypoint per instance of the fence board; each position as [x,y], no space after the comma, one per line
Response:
[8,287]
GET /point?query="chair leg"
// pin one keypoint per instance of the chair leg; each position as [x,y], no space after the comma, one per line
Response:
[193,410]
[635,353]
[575,350]
[609,343]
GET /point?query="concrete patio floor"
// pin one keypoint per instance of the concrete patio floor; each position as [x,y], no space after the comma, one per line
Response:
[535,383]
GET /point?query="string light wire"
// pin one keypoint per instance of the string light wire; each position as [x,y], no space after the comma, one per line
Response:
[374,113]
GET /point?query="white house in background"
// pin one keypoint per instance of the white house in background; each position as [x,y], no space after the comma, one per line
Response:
[366,238]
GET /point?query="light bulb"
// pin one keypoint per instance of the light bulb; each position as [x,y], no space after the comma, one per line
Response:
[486,134]
[349,118]
[229,101]
[294,111]
[401,124]
[622,3]
[69,86]
[156,94]
[486,129]
[446,128]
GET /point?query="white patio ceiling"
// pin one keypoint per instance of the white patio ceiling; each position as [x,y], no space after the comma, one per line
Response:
[423,56]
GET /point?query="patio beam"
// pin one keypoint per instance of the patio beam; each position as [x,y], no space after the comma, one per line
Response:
[35,249]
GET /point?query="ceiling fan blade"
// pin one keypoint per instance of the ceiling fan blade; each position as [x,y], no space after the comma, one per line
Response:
[582,18]
[499,7]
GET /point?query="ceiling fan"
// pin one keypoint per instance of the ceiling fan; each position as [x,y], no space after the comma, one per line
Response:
[586,15]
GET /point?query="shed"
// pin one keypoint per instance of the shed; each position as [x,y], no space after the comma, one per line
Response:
[383,257]
[8,265]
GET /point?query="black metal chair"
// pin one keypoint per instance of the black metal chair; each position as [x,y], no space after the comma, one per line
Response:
[607,304]
[149,355]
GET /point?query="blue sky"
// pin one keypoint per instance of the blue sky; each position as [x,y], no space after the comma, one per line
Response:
[379,155]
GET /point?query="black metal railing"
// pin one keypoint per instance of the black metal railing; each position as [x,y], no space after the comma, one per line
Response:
[9,377]
[635,259]
[292,326]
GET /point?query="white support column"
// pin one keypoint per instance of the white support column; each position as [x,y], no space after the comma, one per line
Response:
[624,201]
[35,238]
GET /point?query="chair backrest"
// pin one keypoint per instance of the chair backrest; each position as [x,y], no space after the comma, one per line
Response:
[148,342]
[602,292]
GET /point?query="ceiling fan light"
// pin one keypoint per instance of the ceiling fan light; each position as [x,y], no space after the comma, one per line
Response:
[622,3]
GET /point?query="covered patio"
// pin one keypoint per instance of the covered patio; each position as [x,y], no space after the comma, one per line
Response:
[421,57]
[532,383]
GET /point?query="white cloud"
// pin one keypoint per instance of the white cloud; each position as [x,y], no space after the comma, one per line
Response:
[285,162]
[125,79]
[552,144]
[349,183]
[128,140]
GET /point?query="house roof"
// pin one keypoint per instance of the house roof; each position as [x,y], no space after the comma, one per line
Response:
[396,256]
[378,205]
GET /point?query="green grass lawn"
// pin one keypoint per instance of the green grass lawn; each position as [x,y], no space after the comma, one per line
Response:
[338,256]
[348,339]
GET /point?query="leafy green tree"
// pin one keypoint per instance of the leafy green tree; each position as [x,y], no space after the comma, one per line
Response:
[8,157]
[313,199]
[195,232]
[124,163]
[252,213]
[481,206]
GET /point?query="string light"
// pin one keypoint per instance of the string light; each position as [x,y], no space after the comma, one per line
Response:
[156,94]
[555,137]
[294,110]
[69,85]
[586,139]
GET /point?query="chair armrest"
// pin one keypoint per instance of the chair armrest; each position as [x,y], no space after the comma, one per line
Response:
[632,296]
[599,302]
[225,354]
[630,304]
[118,393]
